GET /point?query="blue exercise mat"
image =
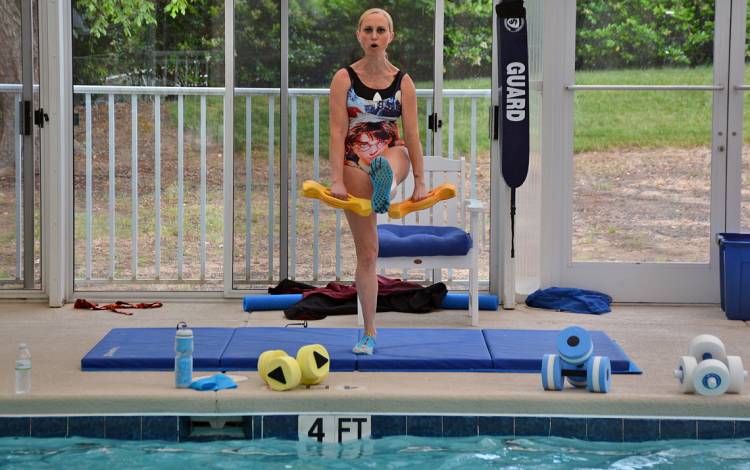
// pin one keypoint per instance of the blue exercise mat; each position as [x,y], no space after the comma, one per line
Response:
[153,349]
[423,349]
[522,350]
[247,344]
[398,349]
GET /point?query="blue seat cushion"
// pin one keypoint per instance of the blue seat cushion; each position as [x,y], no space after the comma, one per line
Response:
[421,240]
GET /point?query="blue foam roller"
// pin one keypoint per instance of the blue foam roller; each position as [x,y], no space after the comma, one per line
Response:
[452,301]
[251,303]
[455,301]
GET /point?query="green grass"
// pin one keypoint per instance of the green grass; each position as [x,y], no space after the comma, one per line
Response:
[604,120]
[643,119]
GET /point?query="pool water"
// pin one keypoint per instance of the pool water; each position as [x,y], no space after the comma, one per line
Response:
[393,453]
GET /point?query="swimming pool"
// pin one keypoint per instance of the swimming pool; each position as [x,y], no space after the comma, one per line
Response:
[391,452]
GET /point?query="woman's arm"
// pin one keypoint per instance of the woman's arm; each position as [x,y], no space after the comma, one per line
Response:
[338,120]
[411,133]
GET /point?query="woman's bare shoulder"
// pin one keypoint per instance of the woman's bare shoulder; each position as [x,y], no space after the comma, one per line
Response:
[407,83]
[341,78]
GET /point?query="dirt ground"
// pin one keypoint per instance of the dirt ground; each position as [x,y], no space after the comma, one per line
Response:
[628,205]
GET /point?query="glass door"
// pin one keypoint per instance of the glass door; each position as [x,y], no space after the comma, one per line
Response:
[645,176]
[20,175]
[739,131]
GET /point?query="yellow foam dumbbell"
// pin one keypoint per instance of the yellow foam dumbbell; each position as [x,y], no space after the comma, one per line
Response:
[314,362]
[265,358]
[283,373]
[313,189]
[399,209]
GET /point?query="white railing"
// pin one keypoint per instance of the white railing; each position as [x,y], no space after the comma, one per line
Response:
[140,274]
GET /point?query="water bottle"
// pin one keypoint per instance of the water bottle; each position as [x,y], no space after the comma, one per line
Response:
[23,369]
[183,358]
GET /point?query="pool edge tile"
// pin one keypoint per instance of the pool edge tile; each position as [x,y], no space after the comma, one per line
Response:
[571,428]
[532,426]
[86,426]
[49,427]
[280,427]
[15,427]
[460,426]
[387,425]
[640,430]
[604,429]
[424,426]
[495,425]
[160,428]
[677,429]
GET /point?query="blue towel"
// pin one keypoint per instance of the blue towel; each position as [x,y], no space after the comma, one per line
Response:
[213,383]
[568,299]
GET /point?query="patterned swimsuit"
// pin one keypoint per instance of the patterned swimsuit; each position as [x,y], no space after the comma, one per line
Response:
[372,120]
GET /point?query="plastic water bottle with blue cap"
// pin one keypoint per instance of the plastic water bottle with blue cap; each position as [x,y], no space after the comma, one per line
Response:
[23,369]
[183,359]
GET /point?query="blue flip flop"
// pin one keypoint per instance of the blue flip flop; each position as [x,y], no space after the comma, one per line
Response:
[381,177]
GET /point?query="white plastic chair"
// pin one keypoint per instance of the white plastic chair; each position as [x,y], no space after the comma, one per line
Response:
[439,170]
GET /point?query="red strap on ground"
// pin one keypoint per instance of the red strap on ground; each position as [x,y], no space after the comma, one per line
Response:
[114,307]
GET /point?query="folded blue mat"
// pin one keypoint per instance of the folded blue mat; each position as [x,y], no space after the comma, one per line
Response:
[398,349]
[452,301]
[522,350]
[214,383]
[153,349]
[248,343]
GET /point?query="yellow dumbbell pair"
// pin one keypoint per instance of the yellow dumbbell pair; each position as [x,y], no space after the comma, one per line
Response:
[363,207]
[282,372]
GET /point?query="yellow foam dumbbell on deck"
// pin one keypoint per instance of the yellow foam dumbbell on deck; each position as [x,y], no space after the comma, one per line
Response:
[313,189]
[314,363]
[265,358]
[283,373]
[399,209]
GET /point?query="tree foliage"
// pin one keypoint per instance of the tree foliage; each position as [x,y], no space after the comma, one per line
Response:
[644,33]
[161,41]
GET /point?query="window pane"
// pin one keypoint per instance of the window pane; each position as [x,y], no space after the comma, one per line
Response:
[148,162]
[642,176]
[642,158]
[257,130]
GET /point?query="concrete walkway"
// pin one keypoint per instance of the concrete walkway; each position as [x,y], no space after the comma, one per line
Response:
[653,336]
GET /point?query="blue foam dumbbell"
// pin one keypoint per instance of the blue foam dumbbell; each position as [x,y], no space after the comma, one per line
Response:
[575,362]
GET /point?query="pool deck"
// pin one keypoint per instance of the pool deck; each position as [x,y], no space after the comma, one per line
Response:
[653,336]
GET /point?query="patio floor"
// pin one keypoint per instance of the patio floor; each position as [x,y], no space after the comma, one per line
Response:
[653,336]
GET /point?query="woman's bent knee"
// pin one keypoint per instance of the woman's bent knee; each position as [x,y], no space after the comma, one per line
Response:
[367,260]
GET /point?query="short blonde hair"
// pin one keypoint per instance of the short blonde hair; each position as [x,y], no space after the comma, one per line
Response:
[378,11]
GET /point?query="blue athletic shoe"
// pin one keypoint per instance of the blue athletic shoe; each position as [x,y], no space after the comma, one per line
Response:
[366,345]
[381,177]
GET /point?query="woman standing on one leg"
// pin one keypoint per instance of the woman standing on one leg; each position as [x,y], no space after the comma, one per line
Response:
[368,158]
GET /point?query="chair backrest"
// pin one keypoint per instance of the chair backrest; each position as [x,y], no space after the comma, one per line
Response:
[438,170]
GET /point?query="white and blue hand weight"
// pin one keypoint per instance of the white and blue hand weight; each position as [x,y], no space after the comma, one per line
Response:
[575,362]
[707,370]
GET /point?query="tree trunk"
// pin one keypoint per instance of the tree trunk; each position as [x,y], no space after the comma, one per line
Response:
[10,73]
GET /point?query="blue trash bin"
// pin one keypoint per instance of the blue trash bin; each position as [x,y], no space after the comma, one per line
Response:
[734,274]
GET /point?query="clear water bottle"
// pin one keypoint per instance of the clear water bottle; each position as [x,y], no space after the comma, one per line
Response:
[183,358]
[23,369]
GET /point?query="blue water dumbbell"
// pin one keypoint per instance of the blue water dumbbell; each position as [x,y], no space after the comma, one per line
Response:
[575,362]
